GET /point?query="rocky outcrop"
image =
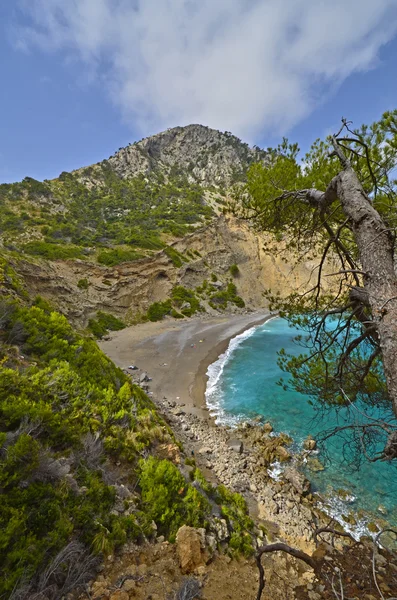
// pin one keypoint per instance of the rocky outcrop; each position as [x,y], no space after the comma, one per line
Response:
[128,289]
[206,156]
[188,547]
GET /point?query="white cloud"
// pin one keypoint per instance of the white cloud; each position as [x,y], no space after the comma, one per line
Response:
[240,65]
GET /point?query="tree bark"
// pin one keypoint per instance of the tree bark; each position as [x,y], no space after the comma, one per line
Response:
[376,250]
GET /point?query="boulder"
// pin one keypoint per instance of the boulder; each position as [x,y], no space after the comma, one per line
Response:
[188,548]
[144,377]
[220,529]
[282,454]
[205,450]
[267,427]
[236,445]
[297,480]
[309,443]
[314,464]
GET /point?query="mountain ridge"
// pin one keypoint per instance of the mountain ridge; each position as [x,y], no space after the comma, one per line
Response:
[208,156]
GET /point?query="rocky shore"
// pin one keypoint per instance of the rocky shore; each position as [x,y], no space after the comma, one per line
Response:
[240,460]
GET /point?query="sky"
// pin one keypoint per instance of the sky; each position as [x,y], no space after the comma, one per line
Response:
[81,78]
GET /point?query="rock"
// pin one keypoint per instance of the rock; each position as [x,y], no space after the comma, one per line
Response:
[382,509]
[309,443]
[314,464]
[205,450]
[188,548]
[297,480]
[210,541]
[253,488]
[143,377]
[283,454]
[236,445]
[120,595]
[129,585]
[220,529]
[267,427]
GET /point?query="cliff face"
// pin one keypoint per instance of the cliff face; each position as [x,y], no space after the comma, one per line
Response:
[153,213]
[206,156]
[127,290]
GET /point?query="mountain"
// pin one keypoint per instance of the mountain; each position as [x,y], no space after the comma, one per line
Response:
[119,236]
[205,156]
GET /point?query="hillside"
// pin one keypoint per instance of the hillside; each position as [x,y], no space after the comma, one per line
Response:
[118,236]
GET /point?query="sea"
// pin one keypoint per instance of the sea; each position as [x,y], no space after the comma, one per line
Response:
[243,385]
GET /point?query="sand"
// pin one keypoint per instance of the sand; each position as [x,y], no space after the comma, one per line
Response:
[176,354]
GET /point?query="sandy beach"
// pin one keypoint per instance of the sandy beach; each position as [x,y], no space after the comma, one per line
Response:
[176,354]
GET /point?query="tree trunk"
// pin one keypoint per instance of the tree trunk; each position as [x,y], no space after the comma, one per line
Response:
[376,250]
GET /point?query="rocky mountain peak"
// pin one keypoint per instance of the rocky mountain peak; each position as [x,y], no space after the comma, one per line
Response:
[205,155]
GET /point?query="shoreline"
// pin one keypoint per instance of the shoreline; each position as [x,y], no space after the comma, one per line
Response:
[178,388]
[179,394]
[199,386]
[175,355]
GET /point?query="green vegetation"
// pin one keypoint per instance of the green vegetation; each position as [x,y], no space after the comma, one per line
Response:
[64,410]
[234,270]
[104,323]
[181,296]
[110,258]
[113,214]
[52,251]
[177,258]
[158,310]
[83,284]
[221,298]
[168,499]
[174,306]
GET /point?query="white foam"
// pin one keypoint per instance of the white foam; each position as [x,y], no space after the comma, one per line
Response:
[213,393]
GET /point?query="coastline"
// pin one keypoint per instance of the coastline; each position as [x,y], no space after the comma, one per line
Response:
[177,361]
[175,355]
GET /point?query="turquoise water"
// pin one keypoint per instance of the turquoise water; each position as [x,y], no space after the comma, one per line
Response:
[243,384]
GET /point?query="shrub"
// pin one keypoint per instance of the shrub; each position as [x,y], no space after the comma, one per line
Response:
[103,323]
[214,277]
[158,310]
[181,295]
[234,270]
[110,258]
[175,256]
[52,251]
[83,284]
[168,499]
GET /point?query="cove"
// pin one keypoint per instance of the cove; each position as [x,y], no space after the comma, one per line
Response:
[242,384]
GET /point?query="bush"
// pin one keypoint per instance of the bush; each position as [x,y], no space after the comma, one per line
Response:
[234,270]
[117,256]
[176,257]
[52,251]
[214,277]
[104,323]
[158,310]
[73,404]
[181,295]
[168,499]
[83,284]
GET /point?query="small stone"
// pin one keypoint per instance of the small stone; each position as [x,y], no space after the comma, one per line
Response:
[268,427]
[120,595]
[129,585]
[236,445]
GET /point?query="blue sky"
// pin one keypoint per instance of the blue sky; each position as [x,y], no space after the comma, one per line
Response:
[84,77]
